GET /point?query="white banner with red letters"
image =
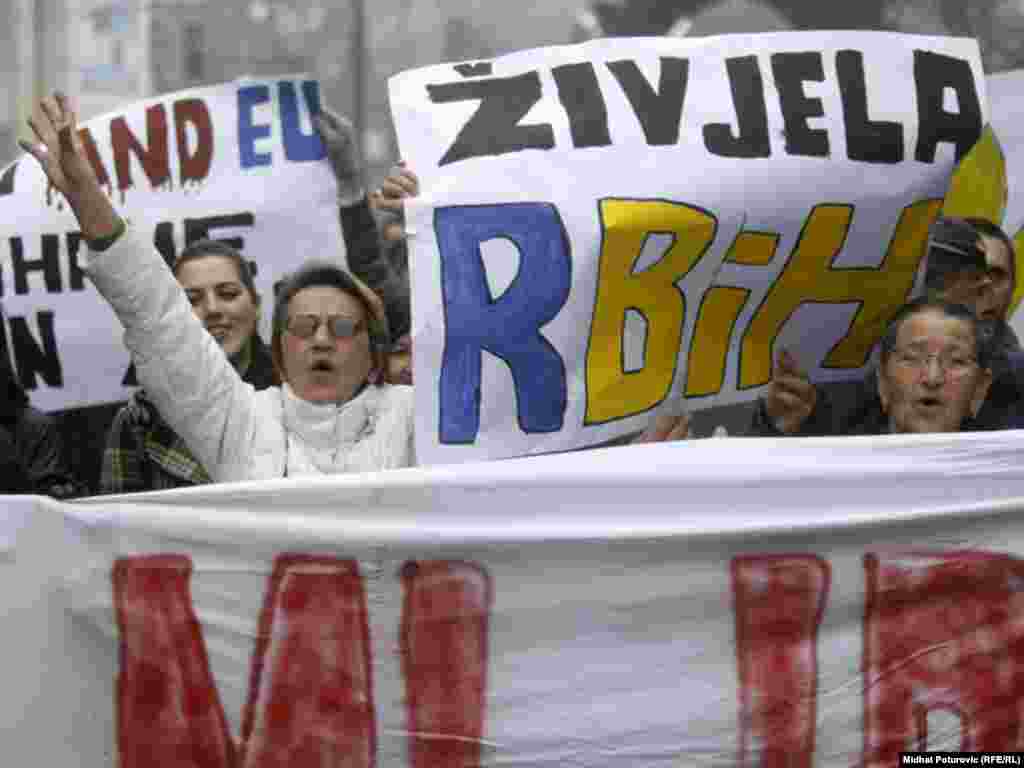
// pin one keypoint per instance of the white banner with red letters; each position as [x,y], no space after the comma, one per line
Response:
[809,602]
[239,162]
[609,226]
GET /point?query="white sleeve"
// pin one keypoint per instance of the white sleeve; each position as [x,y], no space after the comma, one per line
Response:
[182,368]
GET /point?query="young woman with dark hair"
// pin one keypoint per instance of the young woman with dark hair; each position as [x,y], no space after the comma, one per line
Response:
[143,452]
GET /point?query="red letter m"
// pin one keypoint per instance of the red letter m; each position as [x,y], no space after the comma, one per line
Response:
[310,700]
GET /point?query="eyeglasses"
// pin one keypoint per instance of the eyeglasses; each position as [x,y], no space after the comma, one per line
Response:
[954,365]
[338,326]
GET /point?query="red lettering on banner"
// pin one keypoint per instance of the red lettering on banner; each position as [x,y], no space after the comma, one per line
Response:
[444,660]
[168,711]
[93,156]
[194,165]
[311,690]
[154,158]
[310,699]
[779,601]
[940,633]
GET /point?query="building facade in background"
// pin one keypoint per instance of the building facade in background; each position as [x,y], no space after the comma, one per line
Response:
[109,52]
[97,50]
[352,47]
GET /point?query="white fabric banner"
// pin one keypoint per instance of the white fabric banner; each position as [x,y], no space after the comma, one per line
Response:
[717,602]
[606,227]
[239,162]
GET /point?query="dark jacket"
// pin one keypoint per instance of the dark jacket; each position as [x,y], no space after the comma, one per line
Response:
[32,457]
[380,265]
[853,407]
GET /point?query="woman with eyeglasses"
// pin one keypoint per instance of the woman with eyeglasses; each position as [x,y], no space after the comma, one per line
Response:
[331,414]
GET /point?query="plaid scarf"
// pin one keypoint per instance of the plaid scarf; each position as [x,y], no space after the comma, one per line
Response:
[143,453]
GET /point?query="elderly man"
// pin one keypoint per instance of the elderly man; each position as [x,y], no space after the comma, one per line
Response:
[969,261]
[934,370]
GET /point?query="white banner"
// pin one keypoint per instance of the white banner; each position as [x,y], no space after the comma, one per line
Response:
[722,602]
[239,162]
[1008,124]
[609,226]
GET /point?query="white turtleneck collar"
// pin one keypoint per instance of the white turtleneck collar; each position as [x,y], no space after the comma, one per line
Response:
[329,426]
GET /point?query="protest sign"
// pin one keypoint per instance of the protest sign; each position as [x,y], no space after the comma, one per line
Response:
[1006,125]
[609,226]
[239,162]
[736,602]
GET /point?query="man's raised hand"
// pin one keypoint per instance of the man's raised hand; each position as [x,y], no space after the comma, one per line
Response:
[389,200]
[791,396]
[339,138]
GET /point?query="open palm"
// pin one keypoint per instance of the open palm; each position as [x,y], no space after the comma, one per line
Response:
[59,151]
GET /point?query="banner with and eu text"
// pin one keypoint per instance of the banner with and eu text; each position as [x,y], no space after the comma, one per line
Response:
[807,602]
[239,162]
[610,226]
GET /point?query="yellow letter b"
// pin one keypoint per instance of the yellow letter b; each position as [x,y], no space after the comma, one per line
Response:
[612,391]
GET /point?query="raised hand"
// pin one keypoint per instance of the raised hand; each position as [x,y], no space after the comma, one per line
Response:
[390,200]
[671,423]
[60,153]
[339,138]
[59,149]
[791,396]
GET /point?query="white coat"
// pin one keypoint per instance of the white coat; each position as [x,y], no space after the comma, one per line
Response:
[236,432]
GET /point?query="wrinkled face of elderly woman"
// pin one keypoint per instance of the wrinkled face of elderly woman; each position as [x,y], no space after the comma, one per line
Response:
[931,381]
[325,347]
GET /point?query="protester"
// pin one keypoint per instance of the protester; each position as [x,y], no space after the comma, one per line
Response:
[331,414]
[969,261]
[389,203]
[989,288]
[934,370]
[381,265]
[31,451]
[143,453]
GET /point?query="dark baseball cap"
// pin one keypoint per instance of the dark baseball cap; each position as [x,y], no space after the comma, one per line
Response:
[953,246]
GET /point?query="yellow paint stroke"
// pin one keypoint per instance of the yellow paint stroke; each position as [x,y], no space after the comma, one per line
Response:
[978,187]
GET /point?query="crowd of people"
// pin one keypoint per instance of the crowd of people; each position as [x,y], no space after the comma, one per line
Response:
[330,391]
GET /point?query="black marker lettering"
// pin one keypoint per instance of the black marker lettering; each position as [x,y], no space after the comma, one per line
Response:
[48,264]
[479,69]
[791,71]
[661,111]
[494,128]
[199,229]
[933,74]
[747,87]
[867,140]
[76,276]
[33,359]
[7,180]
[581,97]
[163,241]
